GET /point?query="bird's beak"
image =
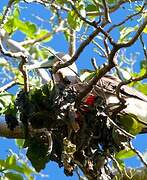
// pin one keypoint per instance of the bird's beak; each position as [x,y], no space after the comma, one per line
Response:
[38,65]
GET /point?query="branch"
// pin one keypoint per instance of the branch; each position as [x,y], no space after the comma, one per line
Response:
[6,132]
[8,86]
[47,35]
[72,42]
[24,72]
[118,89]
[106,10]
[138,154]
[33,41]
[11,54]
[144,48]
[6,13]
[111,9]
[16,50]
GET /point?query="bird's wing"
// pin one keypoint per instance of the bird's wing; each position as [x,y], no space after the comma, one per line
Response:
[109,84]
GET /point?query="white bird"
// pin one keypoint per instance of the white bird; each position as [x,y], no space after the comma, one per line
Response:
[67,74]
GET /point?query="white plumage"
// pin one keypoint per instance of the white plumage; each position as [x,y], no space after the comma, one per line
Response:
[69,72]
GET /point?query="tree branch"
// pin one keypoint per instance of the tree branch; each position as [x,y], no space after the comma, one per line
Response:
[6,13]
[11,54]
[33,41]
[6,132]
[111,9]
[72,42]
[106,10]
[144,50]
[8,86]
[138,154]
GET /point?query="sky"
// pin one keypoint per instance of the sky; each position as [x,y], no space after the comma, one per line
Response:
[31,12]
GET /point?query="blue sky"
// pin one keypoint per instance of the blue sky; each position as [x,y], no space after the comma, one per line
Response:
[58,43]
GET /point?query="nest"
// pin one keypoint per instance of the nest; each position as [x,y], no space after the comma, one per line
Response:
[56,130]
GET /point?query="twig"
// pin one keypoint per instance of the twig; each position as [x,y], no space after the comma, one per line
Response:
[53,5]
[33,41]
[72,42]
[6,132]
[122,130]
[24,72]
[60,7]
[111,9]
[117,164]
[22,68]
[11,54]
[100,47]
[144,50]
[93,61]
[108,36]
[106,10]
[49,34]
[106,47]
[138,154]
[6,13]
[8,85]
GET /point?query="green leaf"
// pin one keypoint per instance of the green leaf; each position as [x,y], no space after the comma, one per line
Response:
[10,161]
[111,1]
[143,64]
[19,142]
[73,19]
[9,25]
[142,88]
[145,30]
[130,123]
[27,28]
[125,32]
[91,7]
[27,170]
[5,100]
[16,12]
[124,154]
[13,176]
[86,76]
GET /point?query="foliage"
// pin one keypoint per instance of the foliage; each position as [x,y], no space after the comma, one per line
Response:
[14,168]
[58,124]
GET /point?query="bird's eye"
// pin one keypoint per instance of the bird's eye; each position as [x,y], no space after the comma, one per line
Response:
[51,58]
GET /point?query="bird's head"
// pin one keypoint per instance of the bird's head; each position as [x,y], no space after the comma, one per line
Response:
[50,62]
[69,72]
